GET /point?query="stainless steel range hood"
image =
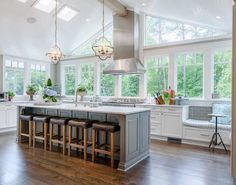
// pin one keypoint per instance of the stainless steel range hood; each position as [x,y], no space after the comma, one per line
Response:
[126,46]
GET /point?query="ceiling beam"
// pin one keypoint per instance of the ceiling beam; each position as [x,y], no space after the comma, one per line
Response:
[116,6]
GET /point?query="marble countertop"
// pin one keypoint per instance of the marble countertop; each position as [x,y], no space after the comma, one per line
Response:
[158,105]
[100,109]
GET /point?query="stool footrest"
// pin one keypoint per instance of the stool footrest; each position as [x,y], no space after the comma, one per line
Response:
[24,134]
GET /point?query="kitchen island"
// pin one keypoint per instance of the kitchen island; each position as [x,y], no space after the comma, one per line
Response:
[134,138]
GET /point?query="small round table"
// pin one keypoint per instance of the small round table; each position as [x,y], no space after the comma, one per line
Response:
[216,133]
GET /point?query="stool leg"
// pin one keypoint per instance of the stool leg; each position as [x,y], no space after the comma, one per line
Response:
[45,135]
[59,135]
[20,130]
[50,134]
[85,143]
[70,133]
[93,144]
[34,133]
[64,139]
[112,149]
[30,133]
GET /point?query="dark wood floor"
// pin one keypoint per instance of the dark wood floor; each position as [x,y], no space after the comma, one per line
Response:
[169,164]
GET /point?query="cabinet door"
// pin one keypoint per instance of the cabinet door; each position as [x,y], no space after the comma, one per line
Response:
[11,116]
[3,117]
[156,123]
[172,125]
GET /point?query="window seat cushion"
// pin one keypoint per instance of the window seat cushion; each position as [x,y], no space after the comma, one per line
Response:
[205,124]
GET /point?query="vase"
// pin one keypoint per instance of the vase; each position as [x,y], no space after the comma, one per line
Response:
[82,94]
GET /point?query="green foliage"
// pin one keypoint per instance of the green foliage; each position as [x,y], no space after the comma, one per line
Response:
[14,80]
[87,77]
[190,75]
[223,73]
[107,82]
[38,79]
[49,82]
[157,74]
[70,80]
[82,88]
[31,89]
[130,85]
[11,94]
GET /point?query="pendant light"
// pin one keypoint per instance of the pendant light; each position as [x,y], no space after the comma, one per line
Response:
[55,53]
[102,47]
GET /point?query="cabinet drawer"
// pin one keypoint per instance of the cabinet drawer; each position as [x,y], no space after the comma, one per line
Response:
[156,129]
[197,134]
[172,110]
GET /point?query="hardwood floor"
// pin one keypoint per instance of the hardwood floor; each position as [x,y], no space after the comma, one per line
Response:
[169,164]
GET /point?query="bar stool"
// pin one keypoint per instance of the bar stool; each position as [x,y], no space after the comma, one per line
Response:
[26,118]
[82,143]
[57,138]
[42,135]
[107,127]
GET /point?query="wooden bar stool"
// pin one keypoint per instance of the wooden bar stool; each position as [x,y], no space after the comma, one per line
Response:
[78,143]
[57,138]
[26,119]
[106,127]
[41,135]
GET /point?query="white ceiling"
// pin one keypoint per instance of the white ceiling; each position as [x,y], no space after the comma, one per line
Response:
[19,38]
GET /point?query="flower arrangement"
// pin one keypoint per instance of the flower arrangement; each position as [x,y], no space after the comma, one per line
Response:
[31,91]
[49,95]
[11,95]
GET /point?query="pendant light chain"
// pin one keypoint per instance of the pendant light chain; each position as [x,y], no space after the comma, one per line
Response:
[56,22]
[103,20]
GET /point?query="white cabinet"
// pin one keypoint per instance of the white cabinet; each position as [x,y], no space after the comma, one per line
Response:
[8,117]
[172,124]
[166,120]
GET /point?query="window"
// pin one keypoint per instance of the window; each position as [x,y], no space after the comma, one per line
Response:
[69,80]
[38,75]
[14,77]
[160,30]
[87,77]
[86,48]
[130,85]
[157,74]
[107,82]
[222,74]
[190,75]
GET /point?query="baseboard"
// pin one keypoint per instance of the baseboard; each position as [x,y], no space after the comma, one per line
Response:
[4,131]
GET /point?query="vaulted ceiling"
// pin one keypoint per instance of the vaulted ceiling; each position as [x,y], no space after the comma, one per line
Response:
[20,38]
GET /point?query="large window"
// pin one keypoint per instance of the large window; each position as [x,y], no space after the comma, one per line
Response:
[160,30]
[86,77]
[130,85]
[157,74]
[38,75]
[107,82]
[14,77]
[222,74]
[69,72]
[190,75]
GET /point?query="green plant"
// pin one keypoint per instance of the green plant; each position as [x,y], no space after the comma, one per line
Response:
[11,94]
[31,89]
[49,82]
[82,88]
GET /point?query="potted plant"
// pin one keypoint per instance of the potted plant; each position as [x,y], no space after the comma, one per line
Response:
[31,90]
[11,95]
[81,91]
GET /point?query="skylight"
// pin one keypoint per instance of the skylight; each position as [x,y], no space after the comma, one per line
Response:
[45,5]
[67,13]
[23,1]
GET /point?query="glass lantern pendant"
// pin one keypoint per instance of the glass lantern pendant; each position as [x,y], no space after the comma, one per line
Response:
[102,46]
[55,54]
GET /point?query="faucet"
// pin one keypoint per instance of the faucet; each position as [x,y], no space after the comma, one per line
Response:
[76,97]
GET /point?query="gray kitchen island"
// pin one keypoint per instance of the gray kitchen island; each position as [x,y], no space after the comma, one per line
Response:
[134,138]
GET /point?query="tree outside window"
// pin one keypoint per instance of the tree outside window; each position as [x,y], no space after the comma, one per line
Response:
[190,75]
[38,75]
[130,85]
[222,74]
[107,82]
[157,74]
[69,80]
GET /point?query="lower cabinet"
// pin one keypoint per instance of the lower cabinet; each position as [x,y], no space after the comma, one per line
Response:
[8,115]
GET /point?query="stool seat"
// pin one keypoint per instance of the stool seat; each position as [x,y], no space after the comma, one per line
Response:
[60,120]
[82,123]
[42,118]
[106,126]
[26,117]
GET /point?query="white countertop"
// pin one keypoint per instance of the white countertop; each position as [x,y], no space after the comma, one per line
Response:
[164,105]
[101,109]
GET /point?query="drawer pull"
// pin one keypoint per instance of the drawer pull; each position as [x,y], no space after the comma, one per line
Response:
[205,135]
